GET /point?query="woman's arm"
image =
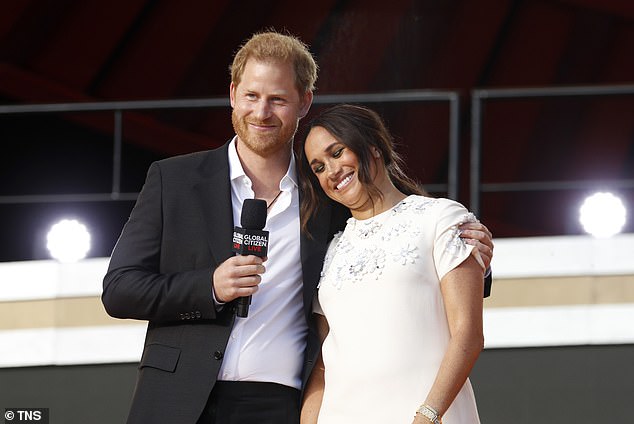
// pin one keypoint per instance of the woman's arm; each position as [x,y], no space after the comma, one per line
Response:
[462,295]
[314,392]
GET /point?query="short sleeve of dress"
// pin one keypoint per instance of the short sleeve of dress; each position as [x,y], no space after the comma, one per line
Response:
[449,249]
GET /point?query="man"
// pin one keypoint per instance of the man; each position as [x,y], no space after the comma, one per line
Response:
[173,265]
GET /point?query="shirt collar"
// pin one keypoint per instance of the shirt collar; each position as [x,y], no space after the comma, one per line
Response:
[236,172]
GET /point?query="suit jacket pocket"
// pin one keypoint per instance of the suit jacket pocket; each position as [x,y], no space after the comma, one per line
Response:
[161,357]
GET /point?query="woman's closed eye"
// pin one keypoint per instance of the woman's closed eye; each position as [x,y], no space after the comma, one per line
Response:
[318,169]
[336,154]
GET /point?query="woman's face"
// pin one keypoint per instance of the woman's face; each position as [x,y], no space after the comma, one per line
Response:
[337,169]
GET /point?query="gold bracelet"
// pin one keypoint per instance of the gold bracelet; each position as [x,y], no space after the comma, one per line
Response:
[430,413]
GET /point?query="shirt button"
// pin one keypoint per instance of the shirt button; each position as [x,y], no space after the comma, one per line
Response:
[218,355]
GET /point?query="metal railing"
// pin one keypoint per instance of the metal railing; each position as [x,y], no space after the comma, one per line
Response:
[119,107]
[479,96]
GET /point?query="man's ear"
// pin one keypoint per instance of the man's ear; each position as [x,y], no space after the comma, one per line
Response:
[232,94]
[306,102]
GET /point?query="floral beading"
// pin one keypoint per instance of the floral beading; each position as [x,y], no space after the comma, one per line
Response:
[365,229]
[405,254]
[399,229]
[456,243]
[372,261]
[351,259]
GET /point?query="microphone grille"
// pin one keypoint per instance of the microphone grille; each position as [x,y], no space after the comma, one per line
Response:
[253,215]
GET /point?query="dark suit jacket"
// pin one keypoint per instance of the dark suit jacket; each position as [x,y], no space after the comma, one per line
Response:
[161,270]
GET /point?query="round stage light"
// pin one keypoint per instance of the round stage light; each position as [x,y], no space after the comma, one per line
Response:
[68,241]
[602,215]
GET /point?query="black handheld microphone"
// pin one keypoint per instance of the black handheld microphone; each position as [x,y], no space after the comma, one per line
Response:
[250,240]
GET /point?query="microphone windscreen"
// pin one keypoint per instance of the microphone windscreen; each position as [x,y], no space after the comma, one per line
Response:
[253,215]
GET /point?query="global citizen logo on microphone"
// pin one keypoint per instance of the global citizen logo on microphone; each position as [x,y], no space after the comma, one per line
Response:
[26,415]
[250,242]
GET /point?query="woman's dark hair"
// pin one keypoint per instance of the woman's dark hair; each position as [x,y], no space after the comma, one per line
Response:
[359,129]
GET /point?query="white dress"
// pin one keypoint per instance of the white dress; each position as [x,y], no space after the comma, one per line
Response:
[380,292]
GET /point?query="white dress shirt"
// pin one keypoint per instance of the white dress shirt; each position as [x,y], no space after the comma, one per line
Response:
[269,344]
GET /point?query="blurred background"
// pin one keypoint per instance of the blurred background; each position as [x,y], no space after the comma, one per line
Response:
[519,109]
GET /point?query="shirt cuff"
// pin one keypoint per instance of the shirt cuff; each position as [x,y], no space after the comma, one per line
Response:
[217,304]
[486,273]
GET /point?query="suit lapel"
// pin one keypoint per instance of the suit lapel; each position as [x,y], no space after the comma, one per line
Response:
[313,251]
[213,191]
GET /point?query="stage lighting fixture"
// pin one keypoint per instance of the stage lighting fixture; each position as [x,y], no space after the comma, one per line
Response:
[68,241]
[602,215]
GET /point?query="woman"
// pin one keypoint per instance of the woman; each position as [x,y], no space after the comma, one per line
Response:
[399,306]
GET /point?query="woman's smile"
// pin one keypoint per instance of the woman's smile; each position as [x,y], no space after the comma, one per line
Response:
[343,183]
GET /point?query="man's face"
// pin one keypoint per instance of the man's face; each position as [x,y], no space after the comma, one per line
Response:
[267,107]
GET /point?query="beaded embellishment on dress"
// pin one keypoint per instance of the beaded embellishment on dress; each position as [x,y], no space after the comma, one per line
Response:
[365,261]
[456,244]
[351,261]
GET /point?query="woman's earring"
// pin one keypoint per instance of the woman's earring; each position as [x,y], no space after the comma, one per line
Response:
[377,154]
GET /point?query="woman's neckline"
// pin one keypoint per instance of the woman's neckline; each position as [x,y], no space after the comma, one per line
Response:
[381,214]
